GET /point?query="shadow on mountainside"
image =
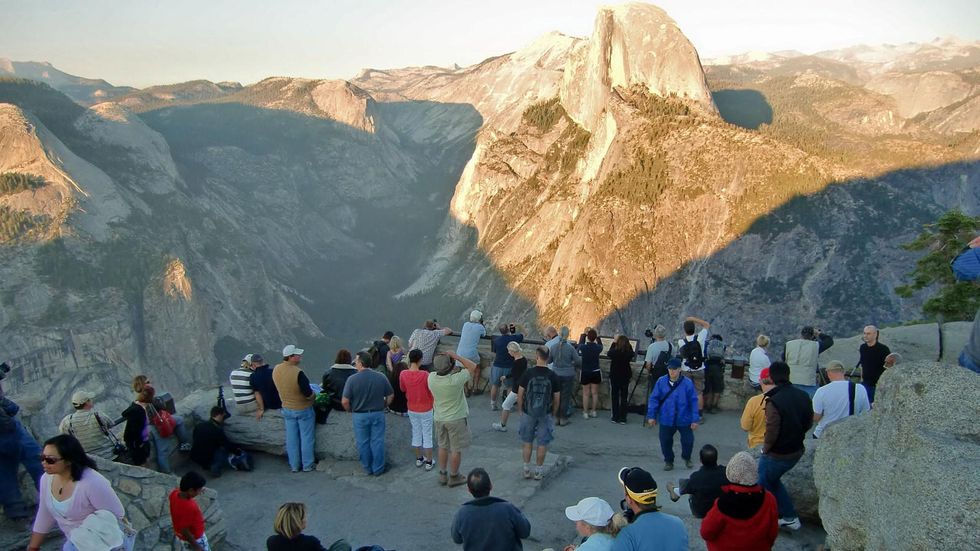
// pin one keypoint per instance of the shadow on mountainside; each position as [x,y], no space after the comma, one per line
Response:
[743,107]
[831,259]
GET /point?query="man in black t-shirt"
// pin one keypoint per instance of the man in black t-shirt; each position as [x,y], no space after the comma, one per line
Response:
[538,396]
[705,484]
[872,362]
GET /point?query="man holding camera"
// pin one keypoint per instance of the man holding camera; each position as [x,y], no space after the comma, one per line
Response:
[648,528]
[503,361]
[426,339]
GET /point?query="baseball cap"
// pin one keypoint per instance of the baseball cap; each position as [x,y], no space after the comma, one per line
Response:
[764,374]
[639,484]
[291,350]
[79,398]
[256,357]
[592,510]
[674,363]
[247,358]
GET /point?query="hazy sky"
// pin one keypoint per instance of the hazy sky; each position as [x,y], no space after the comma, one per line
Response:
[140,43]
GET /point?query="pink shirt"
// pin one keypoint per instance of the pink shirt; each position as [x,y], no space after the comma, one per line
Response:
[415,385]
[92,493]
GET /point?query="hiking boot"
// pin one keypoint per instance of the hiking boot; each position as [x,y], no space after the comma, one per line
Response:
[668,466]
[791,523]
[429,465]
[419,461]
[443,478]
[527,472]
[498,427]
[456,480]
[688,463]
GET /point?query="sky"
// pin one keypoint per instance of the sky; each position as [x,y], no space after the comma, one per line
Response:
[141,42]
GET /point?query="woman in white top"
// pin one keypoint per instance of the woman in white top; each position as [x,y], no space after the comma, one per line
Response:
[758,360]
[71,490]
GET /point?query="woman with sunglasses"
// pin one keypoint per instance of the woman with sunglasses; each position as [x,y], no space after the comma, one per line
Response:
[71,490]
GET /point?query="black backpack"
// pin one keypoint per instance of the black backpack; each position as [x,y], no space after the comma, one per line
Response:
[537,397]
[659,368]
[692,354]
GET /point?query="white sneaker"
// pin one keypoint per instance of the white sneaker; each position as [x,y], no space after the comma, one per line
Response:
[498,427]
[585,415]
[428,465]
[419,461]
[791,523]
[493,406]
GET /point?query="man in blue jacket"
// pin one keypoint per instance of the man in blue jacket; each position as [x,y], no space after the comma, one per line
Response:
[488,523]
[674,405]
[966,267]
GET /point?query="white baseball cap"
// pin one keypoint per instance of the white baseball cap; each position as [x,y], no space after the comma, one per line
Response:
[591,510]
[291,350]
[247,358]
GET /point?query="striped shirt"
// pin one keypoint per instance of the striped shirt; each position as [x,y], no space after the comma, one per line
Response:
[240,386]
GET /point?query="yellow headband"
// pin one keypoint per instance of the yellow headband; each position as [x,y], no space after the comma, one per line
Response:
[643,498]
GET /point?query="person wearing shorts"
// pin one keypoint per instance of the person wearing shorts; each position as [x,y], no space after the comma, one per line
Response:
[591,376]
[512,381]
[537,422]
[449,412]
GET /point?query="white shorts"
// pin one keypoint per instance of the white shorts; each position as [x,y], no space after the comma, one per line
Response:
[510,401]
[421,429]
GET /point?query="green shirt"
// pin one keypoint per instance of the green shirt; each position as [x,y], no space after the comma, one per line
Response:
[449,401]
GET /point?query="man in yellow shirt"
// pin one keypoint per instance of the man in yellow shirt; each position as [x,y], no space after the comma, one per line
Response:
[754,414]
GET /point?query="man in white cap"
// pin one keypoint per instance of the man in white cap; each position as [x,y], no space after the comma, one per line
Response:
[241,388]
[297,408]
[90,427]
[593,521]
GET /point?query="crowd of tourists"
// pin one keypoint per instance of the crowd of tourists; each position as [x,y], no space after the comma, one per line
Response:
[742,504]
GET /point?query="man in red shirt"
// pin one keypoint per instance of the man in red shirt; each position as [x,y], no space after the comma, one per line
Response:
[186,515]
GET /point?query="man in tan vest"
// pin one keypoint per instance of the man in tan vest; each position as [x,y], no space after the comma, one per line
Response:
[297,408]
[801,356]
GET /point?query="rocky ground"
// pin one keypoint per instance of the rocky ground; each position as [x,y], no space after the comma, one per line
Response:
[407,510]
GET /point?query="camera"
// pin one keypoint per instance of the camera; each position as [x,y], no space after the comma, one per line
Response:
[648,333]
[4,369]
[513,329]
[628,513]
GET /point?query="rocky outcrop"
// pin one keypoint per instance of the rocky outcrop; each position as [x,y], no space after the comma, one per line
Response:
[918,342]
[632,44]
[922,92]
[904,476]
[799,482]
[336,100]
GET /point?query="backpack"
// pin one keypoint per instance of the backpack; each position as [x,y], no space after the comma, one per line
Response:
[163,421]
[659,368]
[692,354]
[537,398]
[716,349]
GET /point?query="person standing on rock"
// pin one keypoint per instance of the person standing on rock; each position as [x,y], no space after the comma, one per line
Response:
[538,399]
[366,395]
[837,399]
[674,405]
[691,350]
[426,339]
[488,523]
[297,409]
[744,516]
[469,339]
[240,387]
[263,387]
[754,415]
[564,361]
[503,361]
[966,267]
[449,412]
[415,384]
[789,415]
[91,427]
[801,356]
[872,361]
[648,529]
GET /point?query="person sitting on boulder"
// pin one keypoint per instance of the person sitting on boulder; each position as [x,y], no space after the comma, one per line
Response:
[289,525]
[162,434]
[212,450]
[91,427]
[264,388]
[335,377]
[241,388]
[704,485]
[745,515]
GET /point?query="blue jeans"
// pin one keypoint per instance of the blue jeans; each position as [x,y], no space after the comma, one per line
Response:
[369,433]
[770,471]
[667,442]
[19,448]
[967,362]
[30,452]
[300,424]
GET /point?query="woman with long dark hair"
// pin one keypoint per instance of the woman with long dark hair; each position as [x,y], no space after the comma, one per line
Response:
[620,372]
[72,491]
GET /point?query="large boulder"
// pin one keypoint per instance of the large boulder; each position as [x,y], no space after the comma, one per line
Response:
[905,476]
[334,440]
[799,483]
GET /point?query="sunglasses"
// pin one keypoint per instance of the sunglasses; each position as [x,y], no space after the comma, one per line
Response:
[50,460]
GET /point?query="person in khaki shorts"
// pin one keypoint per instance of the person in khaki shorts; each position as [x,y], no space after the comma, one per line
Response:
[450,411]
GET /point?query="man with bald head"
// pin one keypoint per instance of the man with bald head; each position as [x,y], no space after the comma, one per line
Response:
[872,362]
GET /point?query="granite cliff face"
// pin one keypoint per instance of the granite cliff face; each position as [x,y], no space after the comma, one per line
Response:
[607,180]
